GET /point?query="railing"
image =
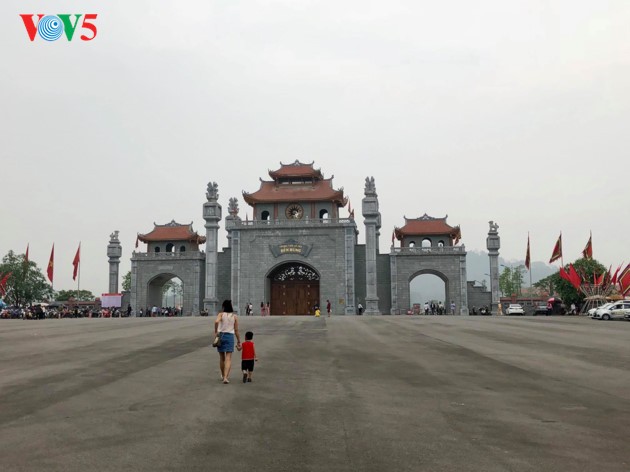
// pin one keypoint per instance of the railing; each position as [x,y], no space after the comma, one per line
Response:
[293,223]
[170,255]
[419,251]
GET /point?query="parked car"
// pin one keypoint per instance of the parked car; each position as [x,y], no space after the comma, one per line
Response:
[592,311]
[617,311]
[541,309]
[514,309]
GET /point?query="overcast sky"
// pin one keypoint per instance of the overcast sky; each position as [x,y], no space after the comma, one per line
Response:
[513,111]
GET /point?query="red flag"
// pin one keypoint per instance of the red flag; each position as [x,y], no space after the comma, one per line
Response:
[613,280]
[3,283]
[137,240]
[527,256]
[564,275]
[51,264]
[576,281]
[587,253]
[624,280]
[76,262]
[557,250]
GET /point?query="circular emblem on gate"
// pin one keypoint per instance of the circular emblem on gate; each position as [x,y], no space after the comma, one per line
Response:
[294,211]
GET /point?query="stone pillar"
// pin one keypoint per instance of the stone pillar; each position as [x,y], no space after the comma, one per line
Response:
[372,223]
[493,243]
[232,225]
[462,309]
[212,215]
[350,243]
[114,251]
[393,266]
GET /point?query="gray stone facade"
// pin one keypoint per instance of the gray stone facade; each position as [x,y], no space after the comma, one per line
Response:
[304,233]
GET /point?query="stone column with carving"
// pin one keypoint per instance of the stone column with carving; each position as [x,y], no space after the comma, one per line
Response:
[212,215]
[232,225]
[372,224]
[493,243]
[114,251]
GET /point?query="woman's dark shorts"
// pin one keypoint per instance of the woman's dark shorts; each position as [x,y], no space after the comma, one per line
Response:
[248,365]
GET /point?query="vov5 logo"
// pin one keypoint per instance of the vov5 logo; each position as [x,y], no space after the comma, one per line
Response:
[51,27]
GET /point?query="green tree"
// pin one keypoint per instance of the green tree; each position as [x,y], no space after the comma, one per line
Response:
[83,296]
[569,294]
[126,282]
[173,290]
[26,284]
[511,281]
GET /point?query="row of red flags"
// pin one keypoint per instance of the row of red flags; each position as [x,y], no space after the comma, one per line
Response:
[50,270]
[621,277]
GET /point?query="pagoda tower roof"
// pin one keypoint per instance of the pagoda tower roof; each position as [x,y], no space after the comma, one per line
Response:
[172,231]
[296,182]
[427,226]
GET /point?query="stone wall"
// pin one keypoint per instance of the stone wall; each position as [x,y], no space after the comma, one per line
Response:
[448,264]
[327,254]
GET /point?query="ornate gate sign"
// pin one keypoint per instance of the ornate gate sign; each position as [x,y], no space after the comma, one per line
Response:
[295,272]
[290,246]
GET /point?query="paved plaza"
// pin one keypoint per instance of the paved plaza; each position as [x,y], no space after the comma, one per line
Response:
[349,393]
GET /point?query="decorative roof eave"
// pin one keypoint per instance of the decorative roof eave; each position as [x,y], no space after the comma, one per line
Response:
[296,169]
[337,197]
[428,226]
[172,231]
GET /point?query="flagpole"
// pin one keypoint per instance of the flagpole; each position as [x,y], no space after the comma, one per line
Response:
[79,281]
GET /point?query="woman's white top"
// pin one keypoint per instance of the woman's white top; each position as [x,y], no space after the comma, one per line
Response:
[226,322]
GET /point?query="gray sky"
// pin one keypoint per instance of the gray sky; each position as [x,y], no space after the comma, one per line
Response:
[514,111]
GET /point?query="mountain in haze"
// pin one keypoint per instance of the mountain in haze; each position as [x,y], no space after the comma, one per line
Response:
[430,287]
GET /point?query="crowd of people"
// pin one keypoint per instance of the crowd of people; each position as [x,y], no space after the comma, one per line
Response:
[42,312]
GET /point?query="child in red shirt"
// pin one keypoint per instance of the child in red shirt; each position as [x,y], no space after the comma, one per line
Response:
[248,357]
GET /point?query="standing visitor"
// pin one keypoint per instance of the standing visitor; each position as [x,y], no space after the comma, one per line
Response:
[268,310]
[226,327]
[452,307]
[360,308]
[248,310]
[262,308]
[328,307]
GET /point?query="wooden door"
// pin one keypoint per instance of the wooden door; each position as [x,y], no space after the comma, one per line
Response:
[294,297]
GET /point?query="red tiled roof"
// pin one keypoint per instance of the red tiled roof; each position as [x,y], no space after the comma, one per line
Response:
[271,192]
[172,232]
[426,225]
[296,169]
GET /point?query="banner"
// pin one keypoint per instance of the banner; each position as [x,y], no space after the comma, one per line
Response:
[111,300]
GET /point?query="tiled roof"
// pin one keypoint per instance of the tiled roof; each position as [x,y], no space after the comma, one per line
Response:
[172,232]
[427,225]
[271,192]
[296,169]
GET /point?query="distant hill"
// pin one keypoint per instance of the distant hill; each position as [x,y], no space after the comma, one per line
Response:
[430,287]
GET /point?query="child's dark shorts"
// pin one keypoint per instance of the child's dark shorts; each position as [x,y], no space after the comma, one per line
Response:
[248,365]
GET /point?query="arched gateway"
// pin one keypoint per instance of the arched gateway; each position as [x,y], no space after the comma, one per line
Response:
[294,289]
[297,247]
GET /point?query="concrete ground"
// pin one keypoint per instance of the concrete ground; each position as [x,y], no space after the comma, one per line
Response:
[342,394]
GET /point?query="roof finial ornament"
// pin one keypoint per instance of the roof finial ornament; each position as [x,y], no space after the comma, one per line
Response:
[370,187]
[494,227]
[212,193]
[113,238]
[233,206]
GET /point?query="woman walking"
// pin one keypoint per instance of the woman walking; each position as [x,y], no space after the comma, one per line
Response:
[226,327]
